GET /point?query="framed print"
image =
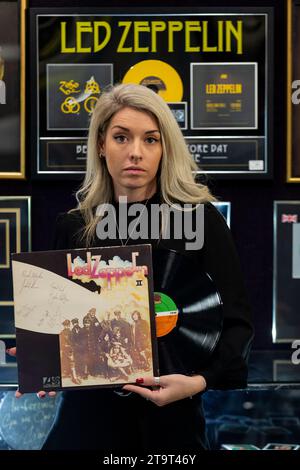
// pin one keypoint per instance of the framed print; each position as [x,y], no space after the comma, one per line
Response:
[12,89]
[212,66]
[293,91]
[15,236]
[286,272]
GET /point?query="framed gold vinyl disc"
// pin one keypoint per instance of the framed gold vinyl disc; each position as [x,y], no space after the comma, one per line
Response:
[159,76]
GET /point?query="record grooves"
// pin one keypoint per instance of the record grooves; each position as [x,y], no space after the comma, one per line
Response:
[190,343]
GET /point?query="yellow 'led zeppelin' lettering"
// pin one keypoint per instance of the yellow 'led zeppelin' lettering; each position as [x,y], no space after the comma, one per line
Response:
[63,40]
[174,26]
[237,33]
[127,25]
[98,46]
[82,27]
[140,27]
[189,27]
[142,36]
[86,27]
[223,88]
[157,26]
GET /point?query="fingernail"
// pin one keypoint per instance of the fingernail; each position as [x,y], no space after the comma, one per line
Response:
[139,381]
[7,351]
[41,395]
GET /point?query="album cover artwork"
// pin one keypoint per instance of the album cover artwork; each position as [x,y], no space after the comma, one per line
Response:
[84,318]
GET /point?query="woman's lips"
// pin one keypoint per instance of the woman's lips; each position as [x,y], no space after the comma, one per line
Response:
[134,171]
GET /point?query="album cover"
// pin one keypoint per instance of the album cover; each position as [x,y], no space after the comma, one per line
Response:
[84,318]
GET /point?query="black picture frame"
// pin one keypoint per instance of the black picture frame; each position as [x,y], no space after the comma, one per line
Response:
[15,236]
[293,84]
[286,272]
[12,89]
[224,145]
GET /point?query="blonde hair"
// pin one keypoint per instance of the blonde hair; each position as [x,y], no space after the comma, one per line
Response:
[177,181]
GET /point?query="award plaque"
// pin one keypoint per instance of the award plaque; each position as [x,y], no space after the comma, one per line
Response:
[286,272]
[212,66]
[15,236]
[12,89]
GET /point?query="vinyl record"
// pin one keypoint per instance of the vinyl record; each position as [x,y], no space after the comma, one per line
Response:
[189,312]
[159,76]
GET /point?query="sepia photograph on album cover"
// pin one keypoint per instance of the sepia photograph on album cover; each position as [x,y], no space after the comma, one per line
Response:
[84,317]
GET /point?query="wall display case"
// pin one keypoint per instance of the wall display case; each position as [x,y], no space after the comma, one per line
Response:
[12,89]
[15,236]
[286,272]
[293,91]
[212,66]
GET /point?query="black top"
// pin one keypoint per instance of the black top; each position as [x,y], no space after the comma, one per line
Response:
[227,368]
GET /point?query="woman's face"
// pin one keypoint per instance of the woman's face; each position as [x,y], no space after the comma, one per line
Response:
[133,150]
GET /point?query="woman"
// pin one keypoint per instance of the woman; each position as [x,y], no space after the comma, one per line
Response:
[136,149]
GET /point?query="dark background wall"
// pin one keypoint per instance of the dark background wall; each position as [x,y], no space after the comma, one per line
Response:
[251,200]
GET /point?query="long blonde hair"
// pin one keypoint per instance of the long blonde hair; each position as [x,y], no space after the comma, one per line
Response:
[177,181]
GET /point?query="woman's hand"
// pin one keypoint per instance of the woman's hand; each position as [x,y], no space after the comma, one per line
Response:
[168,388]
[41,393]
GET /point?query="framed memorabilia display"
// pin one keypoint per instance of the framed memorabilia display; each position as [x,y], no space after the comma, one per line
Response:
[281,446]
[286,272]
[225,209]
[84,318]
[293,91]
[239,447]
[212,66]
[15,236]
[12,89]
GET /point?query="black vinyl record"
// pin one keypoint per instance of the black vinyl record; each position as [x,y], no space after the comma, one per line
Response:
[196,323]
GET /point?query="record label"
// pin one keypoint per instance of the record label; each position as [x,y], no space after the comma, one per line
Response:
[166,314]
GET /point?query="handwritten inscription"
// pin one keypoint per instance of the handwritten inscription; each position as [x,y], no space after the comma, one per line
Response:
[30,279]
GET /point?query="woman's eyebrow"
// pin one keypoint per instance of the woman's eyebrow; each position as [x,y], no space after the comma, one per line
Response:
[128,130]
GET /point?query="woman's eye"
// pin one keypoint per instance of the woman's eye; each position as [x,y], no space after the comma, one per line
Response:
[151,140]
[120,138]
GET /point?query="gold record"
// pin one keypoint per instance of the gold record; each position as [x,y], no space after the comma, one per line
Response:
[157,75]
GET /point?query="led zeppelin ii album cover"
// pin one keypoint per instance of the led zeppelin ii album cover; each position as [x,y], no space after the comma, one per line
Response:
[84,318]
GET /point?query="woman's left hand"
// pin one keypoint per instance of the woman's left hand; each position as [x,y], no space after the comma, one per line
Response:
[168,388]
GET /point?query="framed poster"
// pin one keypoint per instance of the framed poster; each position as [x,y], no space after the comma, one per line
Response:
[212,66]
[286,272]
[293,91]
[12,89]
[15,236]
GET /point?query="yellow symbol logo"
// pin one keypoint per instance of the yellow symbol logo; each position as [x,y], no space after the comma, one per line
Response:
[69,87]
[90,103]
[70,106]
[92,87]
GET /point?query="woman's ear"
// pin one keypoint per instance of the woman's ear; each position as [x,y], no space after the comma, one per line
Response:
[101,150]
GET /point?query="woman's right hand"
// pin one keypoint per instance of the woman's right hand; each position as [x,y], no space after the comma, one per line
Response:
[41,393]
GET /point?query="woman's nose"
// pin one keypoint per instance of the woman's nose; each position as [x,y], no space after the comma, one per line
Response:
[135,158]
[135,151]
